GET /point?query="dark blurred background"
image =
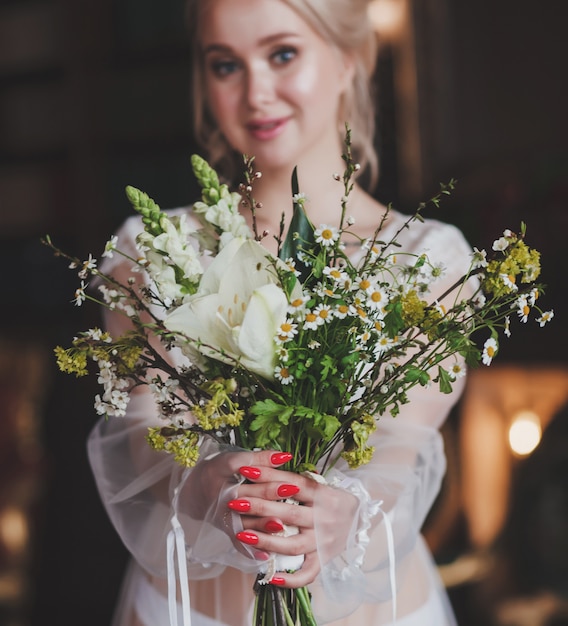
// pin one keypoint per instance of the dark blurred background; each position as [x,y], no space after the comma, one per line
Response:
[94,96]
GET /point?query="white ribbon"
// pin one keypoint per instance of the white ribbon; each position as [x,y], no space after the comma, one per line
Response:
[176,543]
[392,563]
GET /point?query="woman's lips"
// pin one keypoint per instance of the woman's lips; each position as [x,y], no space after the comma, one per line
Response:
[267,128]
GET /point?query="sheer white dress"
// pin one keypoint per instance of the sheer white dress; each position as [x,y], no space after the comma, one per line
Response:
[137,487]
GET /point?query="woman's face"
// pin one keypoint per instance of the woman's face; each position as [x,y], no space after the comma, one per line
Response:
[272,83]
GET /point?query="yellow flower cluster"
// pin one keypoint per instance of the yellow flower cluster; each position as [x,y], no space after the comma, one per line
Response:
[183,445]
[520,262]
[71,361]
[219,410]
[361,430]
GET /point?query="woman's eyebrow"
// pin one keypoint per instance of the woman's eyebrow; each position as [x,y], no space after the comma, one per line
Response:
[219,47]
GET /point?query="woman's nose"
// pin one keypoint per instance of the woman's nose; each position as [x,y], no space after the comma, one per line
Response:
[259,87]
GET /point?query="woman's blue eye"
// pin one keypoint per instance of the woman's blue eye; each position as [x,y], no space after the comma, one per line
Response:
[284,55]
[223,68]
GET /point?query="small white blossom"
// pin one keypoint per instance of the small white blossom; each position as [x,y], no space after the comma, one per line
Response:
[300,198]
[80,295]
[110,247]
[479,258]
[501,244]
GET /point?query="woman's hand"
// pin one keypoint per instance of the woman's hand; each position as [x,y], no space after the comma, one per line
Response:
[264,509]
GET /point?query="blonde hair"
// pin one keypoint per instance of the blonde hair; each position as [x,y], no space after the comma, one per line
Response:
[346,26]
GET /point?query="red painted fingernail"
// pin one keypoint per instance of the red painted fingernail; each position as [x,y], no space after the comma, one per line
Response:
[279,458]
[250,472]
[276,580]
[247,537]
[241,506]
[261,555]
[285,491]
[272,526]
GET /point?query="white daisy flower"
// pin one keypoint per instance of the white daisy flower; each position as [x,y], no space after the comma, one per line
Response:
[523,308]
[286,331]
[489,351]
[283,374]
[312,321]
[457,371]
[326,235]
[533,296]
[545,318]
[341,311]
[509,281]
[323,311]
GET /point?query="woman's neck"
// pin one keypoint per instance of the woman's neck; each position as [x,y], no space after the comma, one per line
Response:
[323,206]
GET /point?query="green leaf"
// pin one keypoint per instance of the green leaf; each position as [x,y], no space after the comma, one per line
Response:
[300,234]
[444,380]
[270,418]
[393,322]
[416,375]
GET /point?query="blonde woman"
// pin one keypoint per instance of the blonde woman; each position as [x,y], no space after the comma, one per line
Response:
[278,79]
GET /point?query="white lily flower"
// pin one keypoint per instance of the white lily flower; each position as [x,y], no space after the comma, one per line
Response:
[237,310]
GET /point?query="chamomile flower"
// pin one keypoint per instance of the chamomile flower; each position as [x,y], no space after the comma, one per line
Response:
[336,274]
[363,283]
[533,296]
[489,351]
[509,281]
[523,308]
[377,299]
[314,345]
[383,343]
[373,248]
[457,370]
[283,374]
[341,311]
[286,331]
[298,305]
[545,318]
[363,339]
[326,235]
[312,321]
[291,264]
[323,311]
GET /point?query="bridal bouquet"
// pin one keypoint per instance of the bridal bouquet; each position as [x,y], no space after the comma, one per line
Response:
[300,352]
